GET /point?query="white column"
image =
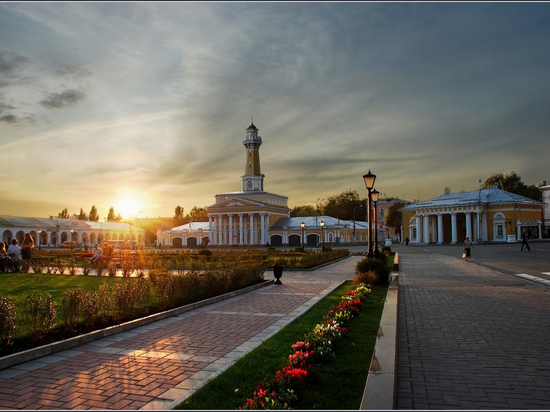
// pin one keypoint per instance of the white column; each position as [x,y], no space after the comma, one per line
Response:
[262,229]
[210,233]
[418,231]
[241,229]
[427,229]
[439,228]
[518,230]
[230,230]
[454,236]
[220,232]
[469,225]
[252,231]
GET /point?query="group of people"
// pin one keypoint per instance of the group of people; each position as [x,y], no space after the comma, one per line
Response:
[99,254]
[468,246]
[12,257]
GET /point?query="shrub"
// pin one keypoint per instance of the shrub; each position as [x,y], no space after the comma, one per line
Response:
[71,303]
[40,315]
[377,266]
[7,320]
[367,278]
[205,252]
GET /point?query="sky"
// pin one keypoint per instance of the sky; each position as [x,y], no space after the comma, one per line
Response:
[143,106]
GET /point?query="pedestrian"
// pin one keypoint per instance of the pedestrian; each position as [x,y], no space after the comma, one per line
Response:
[468,246]
[524,242]
[26,246]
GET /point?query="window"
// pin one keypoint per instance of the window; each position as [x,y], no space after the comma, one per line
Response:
[500,231]
[413,233]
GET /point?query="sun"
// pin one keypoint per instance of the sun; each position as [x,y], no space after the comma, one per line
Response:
[128,204]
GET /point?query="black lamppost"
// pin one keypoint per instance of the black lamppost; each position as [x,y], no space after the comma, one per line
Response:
[303,226]
[322,224]
[361,205]
[375,194]
[369,179]
[39,240]
[72,231]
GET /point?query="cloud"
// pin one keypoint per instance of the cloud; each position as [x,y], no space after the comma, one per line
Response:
[63,99]
[12,66]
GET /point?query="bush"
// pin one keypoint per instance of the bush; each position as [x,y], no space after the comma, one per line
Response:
[40,315]
[7,320]
[205,252]
[377,266]
[367,278]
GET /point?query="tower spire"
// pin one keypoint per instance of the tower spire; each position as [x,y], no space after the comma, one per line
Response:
[253,179]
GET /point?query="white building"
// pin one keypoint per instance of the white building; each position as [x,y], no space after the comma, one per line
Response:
[52,232]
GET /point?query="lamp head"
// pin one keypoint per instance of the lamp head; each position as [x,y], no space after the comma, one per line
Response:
[302,225]
[322,223]
[375,194]
[369,179]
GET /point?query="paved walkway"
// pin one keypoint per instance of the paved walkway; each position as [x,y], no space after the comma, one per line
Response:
[470,337]
[158,365]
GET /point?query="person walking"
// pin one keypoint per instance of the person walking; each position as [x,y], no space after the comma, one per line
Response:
[524,242]
[468,246]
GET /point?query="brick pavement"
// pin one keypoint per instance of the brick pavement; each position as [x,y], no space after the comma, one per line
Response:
[470,337]
[158,365]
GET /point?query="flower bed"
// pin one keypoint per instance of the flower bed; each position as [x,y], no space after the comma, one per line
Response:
[284,390]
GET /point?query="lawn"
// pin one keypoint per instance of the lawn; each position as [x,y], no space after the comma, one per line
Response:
[341,382]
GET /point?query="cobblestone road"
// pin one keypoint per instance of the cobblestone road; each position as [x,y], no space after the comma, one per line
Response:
[470,337]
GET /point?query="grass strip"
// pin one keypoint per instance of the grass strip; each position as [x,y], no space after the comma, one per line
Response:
[341,382]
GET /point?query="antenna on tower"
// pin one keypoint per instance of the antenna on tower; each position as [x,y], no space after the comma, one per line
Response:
[252,119]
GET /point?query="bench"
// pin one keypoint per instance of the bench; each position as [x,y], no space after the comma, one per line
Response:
[396,262]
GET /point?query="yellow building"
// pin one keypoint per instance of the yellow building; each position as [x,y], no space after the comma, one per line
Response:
[485,215]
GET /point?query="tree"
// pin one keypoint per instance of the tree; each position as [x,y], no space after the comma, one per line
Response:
[64,214]
[82,215]
[94,216]
[394,218]
[111,216]
[178,216]
[512,183]
[302,211]
[198,214]
[342,206]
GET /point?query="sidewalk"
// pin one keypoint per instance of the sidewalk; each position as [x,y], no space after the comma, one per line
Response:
[470,337]
[159,365]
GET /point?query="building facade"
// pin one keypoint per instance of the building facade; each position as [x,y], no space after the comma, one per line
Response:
[52,232]
[238,218]
[485,215]
[545,189]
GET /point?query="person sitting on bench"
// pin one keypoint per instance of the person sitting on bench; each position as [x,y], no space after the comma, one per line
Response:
[97,254]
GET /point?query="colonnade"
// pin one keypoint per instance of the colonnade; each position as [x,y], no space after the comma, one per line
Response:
[239,228]
[474,221]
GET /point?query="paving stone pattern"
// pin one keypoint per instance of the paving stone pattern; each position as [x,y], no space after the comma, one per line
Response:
[158,365]
[470,337]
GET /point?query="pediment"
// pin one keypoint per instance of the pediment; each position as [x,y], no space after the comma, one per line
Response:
[236,203]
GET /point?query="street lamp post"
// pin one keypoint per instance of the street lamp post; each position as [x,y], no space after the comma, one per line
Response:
[39,239]
[322,224]
[375,195]
[303,226]
[369,179]
[72,231]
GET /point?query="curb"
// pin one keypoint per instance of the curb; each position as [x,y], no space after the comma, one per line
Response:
[379,393]
[45,350]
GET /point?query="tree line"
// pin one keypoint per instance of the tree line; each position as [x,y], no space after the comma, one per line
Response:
[93,216]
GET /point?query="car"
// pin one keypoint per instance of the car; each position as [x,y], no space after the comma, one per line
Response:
[68,244]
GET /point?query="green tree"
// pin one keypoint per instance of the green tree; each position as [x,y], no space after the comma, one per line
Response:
[198,214]
[302,211]
[111,216]
[511,182]
[394,218]
[342,206]
[82,215]
[64,214]
[94,216]
[178,216]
